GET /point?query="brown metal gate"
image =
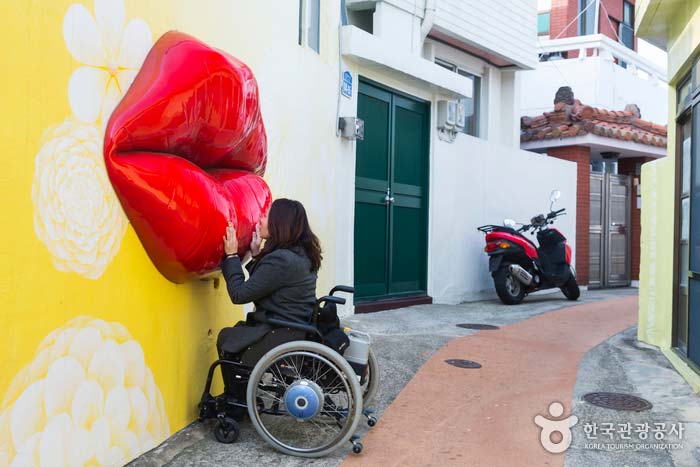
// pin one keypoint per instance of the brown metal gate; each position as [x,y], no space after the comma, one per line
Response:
[609,234]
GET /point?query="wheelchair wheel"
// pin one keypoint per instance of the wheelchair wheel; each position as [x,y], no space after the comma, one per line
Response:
[372,378]
[312,400]
[226,430]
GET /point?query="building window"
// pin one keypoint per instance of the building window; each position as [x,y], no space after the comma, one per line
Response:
[310,24]
[472,104]
[586,22]
[687,251]
[543,24]
[626,28]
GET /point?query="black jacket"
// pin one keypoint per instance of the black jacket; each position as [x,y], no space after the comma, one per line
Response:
[281,283]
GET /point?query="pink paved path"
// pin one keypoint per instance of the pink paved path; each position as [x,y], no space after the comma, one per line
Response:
[452,416]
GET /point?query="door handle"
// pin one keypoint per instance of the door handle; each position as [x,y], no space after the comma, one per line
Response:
[388,199]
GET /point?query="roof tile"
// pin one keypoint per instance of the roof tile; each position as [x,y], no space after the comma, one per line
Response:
[577,119]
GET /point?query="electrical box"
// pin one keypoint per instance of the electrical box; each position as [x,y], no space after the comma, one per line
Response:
[446,114]
[352,128]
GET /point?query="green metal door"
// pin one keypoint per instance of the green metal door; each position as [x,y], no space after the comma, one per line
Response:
[391,195]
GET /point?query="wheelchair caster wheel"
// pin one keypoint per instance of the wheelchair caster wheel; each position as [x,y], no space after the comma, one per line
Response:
[371,420]
[356,444]
[226,430]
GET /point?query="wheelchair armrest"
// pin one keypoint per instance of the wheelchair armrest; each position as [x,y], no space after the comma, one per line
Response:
[342,288]
[331,299]
[289,324]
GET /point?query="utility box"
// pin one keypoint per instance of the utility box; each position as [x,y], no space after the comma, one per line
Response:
[352,128]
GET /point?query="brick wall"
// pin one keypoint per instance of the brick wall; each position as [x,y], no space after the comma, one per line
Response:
[564,11]
[582,156]
[627,167]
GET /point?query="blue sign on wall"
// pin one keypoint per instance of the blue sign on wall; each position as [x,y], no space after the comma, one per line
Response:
[346,88]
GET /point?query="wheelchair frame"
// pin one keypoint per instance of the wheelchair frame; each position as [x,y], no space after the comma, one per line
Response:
[228,410]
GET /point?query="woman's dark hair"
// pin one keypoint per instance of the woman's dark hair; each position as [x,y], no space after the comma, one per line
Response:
[288,226]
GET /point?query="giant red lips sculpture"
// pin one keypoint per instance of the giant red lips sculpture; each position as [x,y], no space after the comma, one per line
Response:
[185,150]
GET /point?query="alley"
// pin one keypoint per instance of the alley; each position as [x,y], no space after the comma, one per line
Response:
[436,414]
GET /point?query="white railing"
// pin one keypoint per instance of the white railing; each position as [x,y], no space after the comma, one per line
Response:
[604,47]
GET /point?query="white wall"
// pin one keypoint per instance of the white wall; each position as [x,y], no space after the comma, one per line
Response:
[596,82]
[398,27]
[475,182]
[508,28]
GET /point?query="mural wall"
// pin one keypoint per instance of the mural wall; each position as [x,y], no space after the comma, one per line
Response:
[103,357]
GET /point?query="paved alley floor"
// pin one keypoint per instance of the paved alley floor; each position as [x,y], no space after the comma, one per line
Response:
[449,416]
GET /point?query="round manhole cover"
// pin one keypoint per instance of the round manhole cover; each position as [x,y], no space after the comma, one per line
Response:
[477,326]
[463,363]
[617,401]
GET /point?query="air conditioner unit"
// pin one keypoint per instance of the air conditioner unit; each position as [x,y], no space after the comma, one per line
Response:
[446,115]
[461,114]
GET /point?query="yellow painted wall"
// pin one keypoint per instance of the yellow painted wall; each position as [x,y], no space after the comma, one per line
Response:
[47,283]
[658,196]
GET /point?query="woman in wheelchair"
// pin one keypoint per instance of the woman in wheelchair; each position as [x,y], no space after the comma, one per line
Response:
[283,274]
[290,361]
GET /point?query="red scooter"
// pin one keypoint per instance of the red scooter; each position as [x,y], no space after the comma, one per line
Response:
[520,267]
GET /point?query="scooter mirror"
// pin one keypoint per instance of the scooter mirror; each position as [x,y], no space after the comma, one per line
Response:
[553,197]
[509,223]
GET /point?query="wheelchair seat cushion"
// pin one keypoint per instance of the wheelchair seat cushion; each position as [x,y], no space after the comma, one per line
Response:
[234,340]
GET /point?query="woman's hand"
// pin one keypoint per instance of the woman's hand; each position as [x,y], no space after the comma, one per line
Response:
[230,240]
[256,241]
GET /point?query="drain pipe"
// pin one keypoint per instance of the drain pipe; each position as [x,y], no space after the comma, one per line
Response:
[428,19]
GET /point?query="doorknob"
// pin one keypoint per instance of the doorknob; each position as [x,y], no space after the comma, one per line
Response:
[388,199]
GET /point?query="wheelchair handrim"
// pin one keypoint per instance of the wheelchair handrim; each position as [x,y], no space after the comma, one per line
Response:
[344,416]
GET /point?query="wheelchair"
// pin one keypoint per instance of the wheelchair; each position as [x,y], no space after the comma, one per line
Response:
[304,392]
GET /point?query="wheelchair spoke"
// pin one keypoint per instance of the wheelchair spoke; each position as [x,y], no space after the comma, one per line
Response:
[335,417]
[272,396]
[278,376]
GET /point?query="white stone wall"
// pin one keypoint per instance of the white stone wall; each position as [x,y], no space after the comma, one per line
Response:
[596,82]
[476,182]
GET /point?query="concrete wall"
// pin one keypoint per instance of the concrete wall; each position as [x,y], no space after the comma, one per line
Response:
[658,191]
[83,306]
[475,182]
[596,82]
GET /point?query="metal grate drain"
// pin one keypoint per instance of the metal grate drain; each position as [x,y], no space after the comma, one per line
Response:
[617,401]
[463,363]
[477,326]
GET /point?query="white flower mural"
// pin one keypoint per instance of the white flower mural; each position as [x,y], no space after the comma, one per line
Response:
[87,398]
[111,54]
[76,213]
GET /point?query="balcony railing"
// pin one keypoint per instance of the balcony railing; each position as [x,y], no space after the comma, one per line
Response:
[598,45]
